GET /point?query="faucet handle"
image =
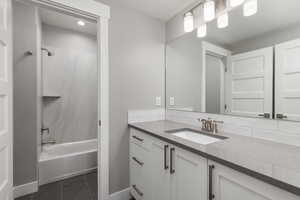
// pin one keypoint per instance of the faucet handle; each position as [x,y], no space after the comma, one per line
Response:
[218,122]
[215,126]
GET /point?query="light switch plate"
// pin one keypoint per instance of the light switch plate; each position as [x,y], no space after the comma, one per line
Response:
[172,101]
[158,101]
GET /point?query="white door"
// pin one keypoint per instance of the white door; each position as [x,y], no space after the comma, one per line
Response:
[287,80]
[5,101]
[228,184]
[188,175]
[249,83]
[160,170]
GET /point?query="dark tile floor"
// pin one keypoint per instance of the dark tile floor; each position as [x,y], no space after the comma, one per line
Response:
[82,187]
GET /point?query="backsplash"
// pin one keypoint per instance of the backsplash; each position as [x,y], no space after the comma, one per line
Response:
[135,116]
[275,130]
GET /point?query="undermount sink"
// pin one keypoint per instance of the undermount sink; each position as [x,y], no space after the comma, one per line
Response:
[196,136]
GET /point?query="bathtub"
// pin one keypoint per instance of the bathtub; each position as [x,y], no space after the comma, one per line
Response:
[61,161]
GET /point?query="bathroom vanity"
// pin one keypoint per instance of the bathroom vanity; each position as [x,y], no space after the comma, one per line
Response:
[166,165]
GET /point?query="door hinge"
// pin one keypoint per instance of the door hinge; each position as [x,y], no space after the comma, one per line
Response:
[225,106]
[99,122]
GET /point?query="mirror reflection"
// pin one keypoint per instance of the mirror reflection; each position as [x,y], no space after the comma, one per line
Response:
[249,68]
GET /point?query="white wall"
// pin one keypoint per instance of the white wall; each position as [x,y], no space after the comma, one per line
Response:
[137,77]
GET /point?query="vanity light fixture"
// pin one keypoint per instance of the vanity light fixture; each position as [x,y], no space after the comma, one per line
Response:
[250,8]
[223,20]
[188,22]
[235,3]
[81,23]
[202,31]
[209,10]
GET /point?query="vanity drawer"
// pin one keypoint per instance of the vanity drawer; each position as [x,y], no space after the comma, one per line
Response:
[139,138]
[139,172]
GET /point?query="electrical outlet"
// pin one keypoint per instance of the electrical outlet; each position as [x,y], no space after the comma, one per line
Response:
[158,101]
[172,101]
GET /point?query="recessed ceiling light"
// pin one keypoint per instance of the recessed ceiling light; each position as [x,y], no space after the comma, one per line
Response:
[81,23]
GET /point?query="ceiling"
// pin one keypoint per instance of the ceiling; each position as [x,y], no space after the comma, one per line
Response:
[62,20]
[161,9]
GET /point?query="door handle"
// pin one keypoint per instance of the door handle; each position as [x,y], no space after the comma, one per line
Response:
[281,116]
[211,196]
[265,115]
[166,166]
[172,170]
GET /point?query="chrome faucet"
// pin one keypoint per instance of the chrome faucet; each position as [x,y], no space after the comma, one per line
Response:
[210,125]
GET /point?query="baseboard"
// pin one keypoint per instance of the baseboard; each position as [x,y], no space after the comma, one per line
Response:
[121,195]
[23,190]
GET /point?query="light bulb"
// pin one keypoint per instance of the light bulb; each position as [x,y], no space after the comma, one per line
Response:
[234,3]
[81,23]
[250,8]
[223,20]
[209,10]
[202,31]
[188,22]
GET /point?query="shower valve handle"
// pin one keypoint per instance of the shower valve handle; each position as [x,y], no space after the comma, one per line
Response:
[46,129]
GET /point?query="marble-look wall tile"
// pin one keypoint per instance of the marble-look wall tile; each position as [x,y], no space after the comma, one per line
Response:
[70,82]
[275,130]
[135,116]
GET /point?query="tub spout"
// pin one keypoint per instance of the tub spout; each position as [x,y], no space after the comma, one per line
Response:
[52,141]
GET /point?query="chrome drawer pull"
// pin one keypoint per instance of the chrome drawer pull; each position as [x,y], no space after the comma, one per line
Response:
[137,138]
[137,190]
[137,161]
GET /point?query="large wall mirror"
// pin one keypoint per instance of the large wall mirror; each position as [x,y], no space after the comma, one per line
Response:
[250,68]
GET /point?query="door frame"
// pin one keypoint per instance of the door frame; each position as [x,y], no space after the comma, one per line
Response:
[101,14]
[211,49]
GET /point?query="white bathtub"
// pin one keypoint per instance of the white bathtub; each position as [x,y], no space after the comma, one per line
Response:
[61,161]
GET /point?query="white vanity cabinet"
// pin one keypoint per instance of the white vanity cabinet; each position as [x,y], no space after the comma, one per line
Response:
[228,184]
[167,173]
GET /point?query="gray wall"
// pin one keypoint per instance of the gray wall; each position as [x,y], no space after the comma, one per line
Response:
[25,93]
[136,78]
[71,74]
[213,84]
[184,72]
[267,39]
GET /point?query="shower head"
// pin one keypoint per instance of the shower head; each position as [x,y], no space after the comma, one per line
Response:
[49,53]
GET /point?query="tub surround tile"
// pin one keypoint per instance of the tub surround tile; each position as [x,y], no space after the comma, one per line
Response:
[71,75]
[268,161]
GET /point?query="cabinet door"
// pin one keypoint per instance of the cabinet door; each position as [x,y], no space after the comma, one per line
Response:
[228,184]
[188,175]
[287,80]
[160,170]
[249,83]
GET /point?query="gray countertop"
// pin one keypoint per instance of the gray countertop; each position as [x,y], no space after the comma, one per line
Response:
[275,163]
